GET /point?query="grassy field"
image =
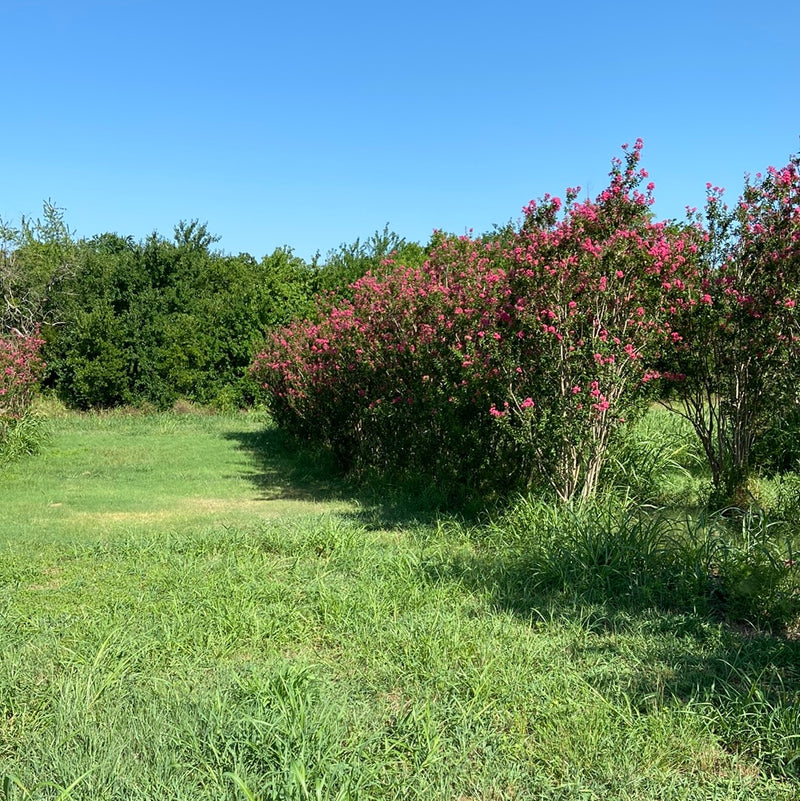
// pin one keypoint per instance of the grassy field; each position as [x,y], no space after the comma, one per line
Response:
[187,611]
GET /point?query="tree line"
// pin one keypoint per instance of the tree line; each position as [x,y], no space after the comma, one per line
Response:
[126,322]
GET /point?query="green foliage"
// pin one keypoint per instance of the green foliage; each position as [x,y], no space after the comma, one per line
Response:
[751,558]
[155,321]
[739,566]
[646,459]
[36,259]
[777,448]
[345,265]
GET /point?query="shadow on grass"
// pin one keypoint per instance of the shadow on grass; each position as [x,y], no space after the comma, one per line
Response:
[745,681]
[282,472]
[286,470]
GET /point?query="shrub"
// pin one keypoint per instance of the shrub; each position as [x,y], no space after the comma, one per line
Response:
[506,360]
[147,323]
[738,331]
[20,366]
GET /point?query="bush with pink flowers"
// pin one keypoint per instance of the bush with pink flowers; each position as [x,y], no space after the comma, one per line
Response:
[20,366]
[739,331]
[505,361]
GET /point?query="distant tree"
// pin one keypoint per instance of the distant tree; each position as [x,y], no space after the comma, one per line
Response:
[35,259]
[349,262]
[194,235]
[153,321]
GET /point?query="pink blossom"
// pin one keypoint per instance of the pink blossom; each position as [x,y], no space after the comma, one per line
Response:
[495,412]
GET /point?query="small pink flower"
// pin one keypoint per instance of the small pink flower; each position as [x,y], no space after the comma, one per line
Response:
[527,403]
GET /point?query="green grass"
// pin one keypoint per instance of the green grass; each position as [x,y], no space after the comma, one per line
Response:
[188,611]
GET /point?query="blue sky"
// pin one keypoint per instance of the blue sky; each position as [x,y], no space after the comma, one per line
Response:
[309,124]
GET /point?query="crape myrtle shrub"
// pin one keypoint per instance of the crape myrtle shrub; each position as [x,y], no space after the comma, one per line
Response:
[20,366]
[738,343]
[507,360]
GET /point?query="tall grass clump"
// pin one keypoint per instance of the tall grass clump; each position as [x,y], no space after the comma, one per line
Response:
[738,566]
[22,437]
[656,460]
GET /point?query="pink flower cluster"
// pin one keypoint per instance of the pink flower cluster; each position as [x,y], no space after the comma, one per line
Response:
[20,366]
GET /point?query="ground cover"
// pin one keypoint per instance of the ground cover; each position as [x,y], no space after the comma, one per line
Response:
[187,610]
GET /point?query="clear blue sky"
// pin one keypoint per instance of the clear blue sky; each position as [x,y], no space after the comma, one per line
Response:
[309,124]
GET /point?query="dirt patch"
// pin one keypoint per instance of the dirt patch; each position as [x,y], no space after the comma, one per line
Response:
[202,510]
[54,580]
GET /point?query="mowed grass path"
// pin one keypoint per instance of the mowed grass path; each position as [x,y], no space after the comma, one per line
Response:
[187,612]
[116,474]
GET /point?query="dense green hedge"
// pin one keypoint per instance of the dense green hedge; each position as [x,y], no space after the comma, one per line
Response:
[155,321]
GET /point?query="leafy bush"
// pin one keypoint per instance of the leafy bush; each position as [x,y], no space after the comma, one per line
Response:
[349,262]
[526,349]
[36,259]
[20,366]
[737,327]
[147,323]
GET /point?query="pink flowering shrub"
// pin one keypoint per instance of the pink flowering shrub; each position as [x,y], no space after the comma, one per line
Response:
[592,286]
[20,366]
[381,379]
[738,325]
[507,360]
